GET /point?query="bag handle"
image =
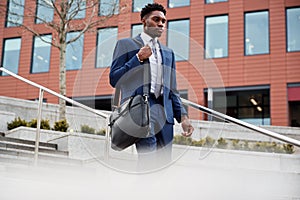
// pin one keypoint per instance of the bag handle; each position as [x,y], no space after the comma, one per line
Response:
[146,66]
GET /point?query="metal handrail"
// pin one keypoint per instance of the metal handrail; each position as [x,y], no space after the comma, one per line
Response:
[242,123]
[42,89]
[103,115]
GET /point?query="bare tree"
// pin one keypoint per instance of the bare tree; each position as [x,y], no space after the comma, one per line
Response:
[91,12]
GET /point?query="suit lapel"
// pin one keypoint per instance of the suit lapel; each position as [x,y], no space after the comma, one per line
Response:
[139,40]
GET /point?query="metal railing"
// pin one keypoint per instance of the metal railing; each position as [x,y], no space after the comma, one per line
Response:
[40,104]
[103,115]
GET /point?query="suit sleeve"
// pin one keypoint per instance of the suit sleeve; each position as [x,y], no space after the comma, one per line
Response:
[178,108]
[122,62]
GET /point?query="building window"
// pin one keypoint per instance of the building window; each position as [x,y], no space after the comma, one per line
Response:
[74,51]
[77,9]
[15,13]
[257,33]
[249,104]
[179,31]
[293,29]
[214,1]
[136,29]
[137,5]
[107,38]
[294,103]
[41,54]
[178,3]
[216,36]
[108,7]
[11,55]
[44,11]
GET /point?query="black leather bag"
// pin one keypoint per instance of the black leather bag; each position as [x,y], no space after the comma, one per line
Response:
[129,122]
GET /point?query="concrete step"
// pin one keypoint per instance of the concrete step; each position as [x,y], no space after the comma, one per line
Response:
[9,156]
[20,147]
[9,140]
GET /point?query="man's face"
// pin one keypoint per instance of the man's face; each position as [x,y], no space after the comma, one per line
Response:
[154,23]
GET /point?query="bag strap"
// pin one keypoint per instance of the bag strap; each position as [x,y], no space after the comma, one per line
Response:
[146,67]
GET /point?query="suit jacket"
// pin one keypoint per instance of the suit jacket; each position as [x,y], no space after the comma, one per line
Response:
[127,73]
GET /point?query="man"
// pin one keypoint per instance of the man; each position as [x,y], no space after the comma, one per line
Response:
[129,59]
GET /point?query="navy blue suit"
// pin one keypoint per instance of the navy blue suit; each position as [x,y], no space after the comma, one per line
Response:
[127,73]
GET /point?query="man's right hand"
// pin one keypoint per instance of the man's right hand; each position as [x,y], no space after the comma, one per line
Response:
[144,53]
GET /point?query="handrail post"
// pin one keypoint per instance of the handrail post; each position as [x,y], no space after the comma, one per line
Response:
[38,126]
[107,142]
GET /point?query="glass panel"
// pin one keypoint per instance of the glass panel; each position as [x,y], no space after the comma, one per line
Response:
[107,39]
[11,55]
[178,3]
[214,1]
[136,29]
[41,54]
[108,7]
[216,37]
[252,106]
[257,33]
[74,52]
[44,11]
[179,31]
[137,5]
[293,29]
[15,13]
[77,10]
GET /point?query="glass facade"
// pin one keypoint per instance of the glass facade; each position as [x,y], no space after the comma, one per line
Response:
[215,1]
[179,31]
[293,29]
[256,33]
[74,52]
[178,3]
[137,5]
[107,38]
[11,54]
[249,105]
[44,11]
[136,29]
[216,36]
[77,9]
[108,7]
[15,13]
[41,54]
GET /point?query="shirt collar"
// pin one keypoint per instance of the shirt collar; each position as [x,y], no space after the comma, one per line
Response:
[146,38]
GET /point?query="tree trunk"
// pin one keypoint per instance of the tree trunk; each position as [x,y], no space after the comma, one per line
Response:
[62,80]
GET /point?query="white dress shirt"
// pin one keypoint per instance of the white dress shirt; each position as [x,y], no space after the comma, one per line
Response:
[153,62]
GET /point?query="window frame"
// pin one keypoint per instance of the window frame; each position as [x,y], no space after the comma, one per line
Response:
[7,15]
[269,49]
[132,25]
[205,2]
[3,54]
[36,14]
[189,4]
[81,52]
[32,56]
[117,11]
[132,5]
[97,42]
[286,25]
[205,36]
[189,45]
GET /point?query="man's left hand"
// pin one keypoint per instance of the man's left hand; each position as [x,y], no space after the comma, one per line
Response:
[186,126]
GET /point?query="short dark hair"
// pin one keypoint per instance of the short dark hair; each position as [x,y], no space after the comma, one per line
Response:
[152,7]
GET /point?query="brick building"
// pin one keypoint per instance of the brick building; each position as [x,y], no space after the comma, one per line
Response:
[241,57]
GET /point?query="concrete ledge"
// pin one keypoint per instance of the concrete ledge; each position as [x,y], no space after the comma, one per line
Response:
[234,159]
[232,131]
